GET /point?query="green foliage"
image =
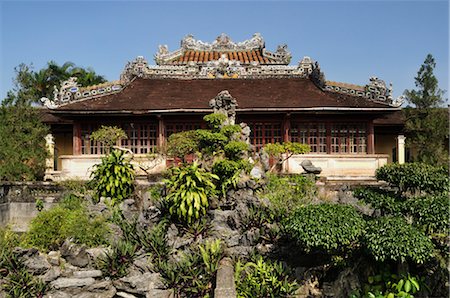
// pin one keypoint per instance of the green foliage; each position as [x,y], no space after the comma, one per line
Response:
[215,121]
[430,213]
[415,177]
[30,85]
[387,285]
[21,284]
[193,275]
[188,190]
[391,238]
[326,227]
[277,150]
[22,150]
[428,95]
[182,144]
[261,278]
[114,177]
[228,172]
[39,205]
[427,134]
[288,192]
[234,149]
[209,141]
[68,219]
[116,262]
[388,202]
[18,282]
[287,147]
[427,125]
[108,135]
[8,240]
[230,130]
[154,242]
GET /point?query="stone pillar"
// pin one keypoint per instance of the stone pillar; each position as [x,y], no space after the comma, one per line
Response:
[401,149]
[50,161]
[225,286]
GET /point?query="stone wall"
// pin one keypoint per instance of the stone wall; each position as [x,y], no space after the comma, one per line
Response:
[18,201]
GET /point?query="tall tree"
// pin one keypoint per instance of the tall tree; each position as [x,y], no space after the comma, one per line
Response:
[22,147]
[427,123]
[30,86]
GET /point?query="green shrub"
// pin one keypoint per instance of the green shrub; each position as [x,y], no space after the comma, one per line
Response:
[415,177]
[182,144]
[288,192]
[68,219]
[262,278]
[326,227]
[8,240]
[388,202]
[154,242]
[388,285]
[193,275]
[23,150]
[188,190]
[18,282]
[108,135]
[114,177]
[391,238]
[234,149]
[215,120]
[228,172]
[230,130]
[430,213]
[210,142]
[116,262]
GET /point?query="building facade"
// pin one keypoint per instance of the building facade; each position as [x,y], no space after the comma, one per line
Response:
[352,130]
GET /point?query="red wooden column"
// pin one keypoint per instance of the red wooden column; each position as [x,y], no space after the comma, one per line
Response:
[286,137]
[286,127]
[76,138]
[161,131]
[370,139]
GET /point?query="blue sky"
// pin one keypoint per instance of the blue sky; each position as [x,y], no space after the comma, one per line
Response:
[352,40]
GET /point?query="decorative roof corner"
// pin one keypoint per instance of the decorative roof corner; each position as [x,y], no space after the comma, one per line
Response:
[375,90]
[135,68]
[70,91]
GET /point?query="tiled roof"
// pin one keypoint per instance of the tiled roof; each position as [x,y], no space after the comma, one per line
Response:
[244,57]
[346,85]
[145,95]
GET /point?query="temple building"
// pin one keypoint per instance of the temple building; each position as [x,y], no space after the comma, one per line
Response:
[352,130]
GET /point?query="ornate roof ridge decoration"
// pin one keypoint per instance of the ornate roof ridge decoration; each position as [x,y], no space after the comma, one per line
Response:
[223,68]
[222,44]
[376,90]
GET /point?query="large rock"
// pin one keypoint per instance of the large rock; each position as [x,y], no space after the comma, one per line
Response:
[35,262]
[51,274]
[54,257]
[87,273]
[64,282]
[75,254]
[138,283]
[97,253]
[158,293]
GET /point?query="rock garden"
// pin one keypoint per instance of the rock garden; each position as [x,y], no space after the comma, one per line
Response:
[223,222]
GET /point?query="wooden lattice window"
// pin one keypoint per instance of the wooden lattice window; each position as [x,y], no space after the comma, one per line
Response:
[172,128]
[88,146]
[313,134]
[263,133]
[142,137]
[348,138]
